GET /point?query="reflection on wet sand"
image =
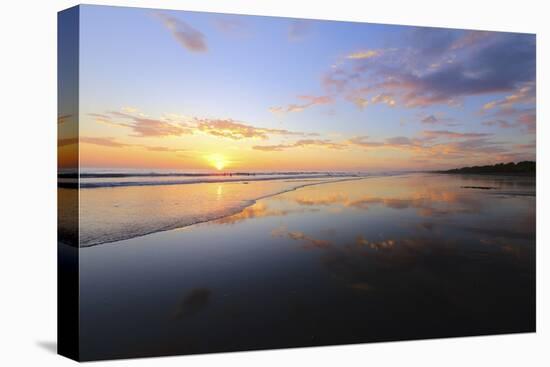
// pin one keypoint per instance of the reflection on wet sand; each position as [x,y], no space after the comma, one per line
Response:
[308,242]
[257,210]
[376,259]
[405,193]
[196,300]
[110,214]
[385,244]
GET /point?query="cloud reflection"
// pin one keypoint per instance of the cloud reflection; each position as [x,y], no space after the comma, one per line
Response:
[428,201]
[307,241]
[258,210]
[193,302]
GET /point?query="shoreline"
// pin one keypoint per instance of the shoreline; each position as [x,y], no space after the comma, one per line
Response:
[249,202]
[114,184]
[237,210]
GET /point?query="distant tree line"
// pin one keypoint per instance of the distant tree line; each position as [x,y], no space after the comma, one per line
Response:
[521,168]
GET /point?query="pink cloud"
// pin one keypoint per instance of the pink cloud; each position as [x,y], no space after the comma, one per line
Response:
[189,37]
[309,101]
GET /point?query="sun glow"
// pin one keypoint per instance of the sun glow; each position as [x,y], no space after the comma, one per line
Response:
[218,161]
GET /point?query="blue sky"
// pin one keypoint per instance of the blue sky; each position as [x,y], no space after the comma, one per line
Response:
[363,94]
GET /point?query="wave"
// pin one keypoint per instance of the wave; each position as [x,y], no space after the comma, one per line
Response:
[122,179]
[197,174]
[203,179]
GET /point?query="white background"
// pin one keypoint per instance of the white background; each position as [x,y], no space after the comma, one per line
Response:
[28,183]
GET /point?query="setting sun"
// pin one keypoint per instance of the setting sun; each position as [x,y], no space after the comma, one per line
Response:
[218,161]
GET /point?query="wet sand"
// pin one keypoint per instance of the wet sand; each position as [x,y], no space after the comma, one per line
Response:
[376,259]
[109,214]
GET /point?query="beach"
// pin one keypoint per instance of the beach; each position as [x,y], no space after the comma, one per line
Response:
[314,263]
[113,209]
[229,182]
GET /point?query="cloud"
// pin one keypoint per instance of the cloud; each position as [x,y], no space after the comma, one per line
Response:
[113,143]
[437,119]
[529,121]
[530,146]
[105,142]
[151,127]
[359,98]
[298,29]
[434,134]
[336,80]
[230,24]
[144,126]
[173,125]
[501,123]
[399,140]
[525,119]
[360,102]
[428,145]
[308,101]
[367,54]
[471,38]
[439,67]
[525,94]
[477,146]
[384,98]
[431,119]
[235,130]
[129,109]
[190,38]
[364,141]
[315,143]
[100,116]
[159,149]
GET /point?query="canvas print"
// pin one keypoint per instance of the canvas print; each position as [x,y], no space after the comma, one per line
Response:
[234,182]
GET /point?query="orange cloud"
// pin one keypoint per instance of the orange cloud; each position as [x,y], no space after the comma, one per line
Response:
[112,143]
[367,54]
[106,142]
[236,130]
[523,95]
[384,98]
[143,126]
[529,121]
[309,102]
[225,128]
[316,143]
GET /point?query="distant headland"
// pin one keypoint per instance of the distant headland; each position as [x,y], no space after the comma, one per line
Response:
[525,168]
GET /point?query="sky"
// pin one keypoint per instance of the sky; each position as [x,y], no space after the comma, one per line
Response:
[203,91]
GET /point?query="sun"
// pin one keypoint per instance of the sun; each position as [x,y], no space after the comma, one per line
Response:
[218,161]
